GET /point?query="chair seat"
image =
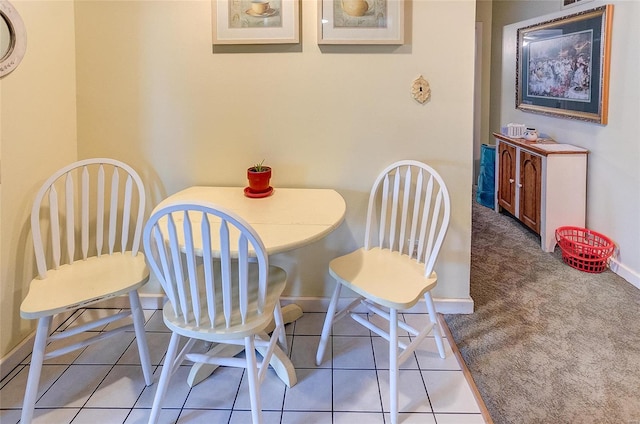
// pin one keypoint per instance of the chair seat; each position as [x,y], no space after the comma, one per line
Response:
[253,324]
[373,274]
[84,282]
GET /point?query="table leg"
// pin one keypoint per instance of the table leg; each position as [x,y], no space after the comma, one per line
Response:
[290,313]
[279,361]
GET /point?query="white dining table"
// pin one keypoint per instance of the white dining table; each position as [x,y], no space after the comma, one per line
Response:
[287,219]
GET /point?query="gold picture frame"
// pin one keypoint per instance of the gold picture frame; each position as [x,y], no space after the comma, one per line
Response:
[562,66]
[255,21]
[361,21]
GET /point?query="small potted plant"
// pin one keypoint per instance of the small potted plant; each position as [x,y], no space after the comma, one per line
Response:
[259,176]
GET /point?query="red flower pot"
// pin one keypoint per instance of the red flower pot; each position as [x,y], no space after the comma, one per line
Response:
[259,180]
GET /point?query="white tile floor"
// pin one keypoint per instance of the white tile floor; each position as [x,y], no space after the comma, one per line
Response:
[103,384]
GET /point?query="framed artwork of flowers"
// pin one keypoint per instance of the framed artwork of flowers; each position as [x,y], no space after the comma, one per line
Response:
[562,66]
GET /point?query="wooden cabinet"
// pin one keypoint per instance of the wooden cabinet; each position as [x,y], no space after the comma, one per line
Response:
[525,183]
[542,184]
[506,177]
[530,190]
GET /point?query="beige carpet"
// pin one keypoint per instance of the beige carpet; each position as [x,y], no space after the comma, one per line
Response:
[547,343]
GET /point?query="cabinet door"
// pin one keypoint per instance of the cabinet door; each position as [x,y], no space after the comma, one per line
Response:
[507,177]
[530,189]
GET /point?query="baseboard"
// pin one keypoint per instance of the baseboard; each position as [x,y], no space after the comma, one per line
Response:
[625,272]
[443,306]
[147,300]
[16,356]
[24,348]
[308,304]
[156,301]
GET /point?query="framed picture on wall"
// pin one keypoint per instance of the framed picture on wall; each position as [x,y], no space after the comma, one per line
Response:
[255,21]
[571,3]
[562,66]
[361,21]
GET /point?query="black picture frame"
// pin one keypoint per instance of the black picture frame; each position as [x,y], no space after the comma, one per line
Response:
[562,66]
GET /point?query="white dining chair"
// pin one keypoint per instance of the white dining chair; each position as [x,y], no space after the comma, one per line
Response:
[407,219]
[215,272]
[86,223]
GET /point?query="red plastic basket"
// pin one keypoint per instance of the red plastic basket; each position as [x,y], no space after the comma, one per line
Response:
[584,249]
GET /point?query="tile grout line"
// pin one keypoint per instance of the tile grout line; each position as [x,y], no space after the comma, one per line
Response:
[446,333]
[375,367]
[465,371]
[422,378]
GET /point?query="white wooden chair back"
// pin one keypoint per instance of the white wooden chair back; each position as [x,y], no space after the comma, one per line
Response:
[408,212]
[94,207]
[193,292]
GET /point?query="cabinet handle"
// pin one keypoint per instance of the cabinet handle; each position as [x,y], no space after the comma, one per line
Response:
[511,180]
[519,185]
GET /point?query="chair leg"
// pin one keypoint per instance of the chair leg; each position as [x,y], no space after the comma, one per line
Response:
[35,368]
[165,376]
[141,338]
[252,377]
[328,323]
[393,364]
[437,331]
[277,316]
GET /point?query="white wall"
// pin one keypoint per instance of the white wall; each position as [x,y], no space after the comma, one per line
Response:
[153,93]
[484,21]
[613,180]
[38,136]
[150,91]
